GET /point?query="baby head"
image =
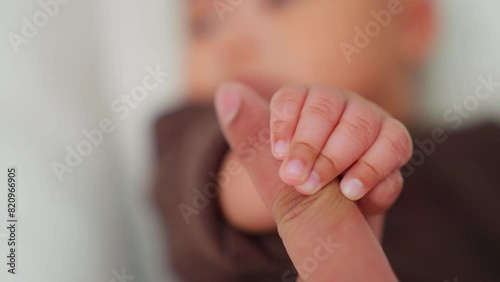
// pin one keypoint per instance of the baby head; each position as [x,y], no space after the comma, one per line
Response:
[373,48]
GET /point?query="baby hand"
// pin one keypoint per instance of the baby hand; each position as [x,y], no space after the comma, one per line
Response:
[322,133]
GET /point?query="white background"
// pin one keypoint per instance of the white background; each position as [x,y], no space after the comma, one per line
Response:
[100,217]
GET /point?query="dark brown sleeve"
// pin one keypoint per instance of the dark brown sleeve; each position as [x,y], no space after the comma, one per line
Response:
[446,224]
[202,246]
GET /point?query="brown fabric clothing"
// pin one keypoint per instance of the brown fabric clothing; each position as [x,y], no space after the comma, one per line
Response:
[445,225]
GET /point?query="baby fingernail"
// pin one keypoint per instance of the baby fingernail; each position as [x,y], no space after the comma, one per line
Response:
[295,168]
[280,149]
[352,189]
[311,185]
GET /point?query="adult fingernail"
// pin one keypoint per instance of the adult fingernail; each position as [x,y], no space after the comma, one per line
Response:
[227,103]
[280,149]
[352,189]
[311,185]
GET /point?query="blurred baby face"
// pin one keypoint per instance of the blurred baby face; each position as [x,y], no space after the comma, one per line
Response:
[352,44]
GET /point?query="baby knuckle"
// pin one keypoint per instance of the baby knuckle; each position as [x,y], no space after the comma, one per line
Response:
[288,93]
[320,108]
[307,145]
[370,171]
[284,110]
[329,164]
[360,129]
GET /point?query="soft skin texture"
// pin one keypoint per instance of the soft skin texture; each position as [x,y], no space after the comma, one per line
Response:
[320,133]
[365,140]
[336,243]
[280,42]
[268,44]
